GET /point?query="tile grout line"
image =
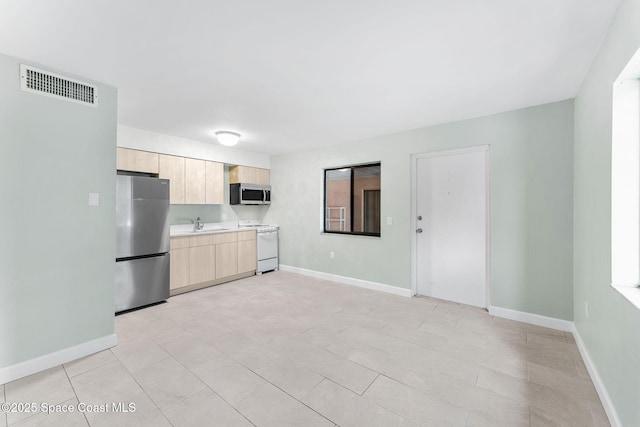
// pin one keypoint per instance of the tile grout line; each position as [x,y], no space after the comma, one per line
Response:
[362,396]
[285,392]
[212,390]
[426,393]
[370,384]
[260,340]
[35,413]
[142,388]
[389,409]
[84,414]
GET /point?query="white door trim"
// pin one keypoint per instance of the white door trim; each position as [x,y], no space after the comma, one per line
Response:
[414,213]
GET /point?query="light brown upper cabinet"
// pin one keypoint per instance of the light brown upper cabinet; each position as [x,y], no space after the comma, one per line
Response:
[193,181]
[263,176]
[195,173]
[214,178]
[136,160]
[173,169]
[248,175]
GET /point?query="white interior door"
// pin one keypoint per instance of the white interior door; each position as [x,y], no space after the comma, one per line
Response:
[451,221]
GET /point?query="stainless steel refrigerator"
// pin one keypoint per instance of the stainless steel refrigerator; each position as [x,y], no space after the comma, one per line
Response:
[142,241]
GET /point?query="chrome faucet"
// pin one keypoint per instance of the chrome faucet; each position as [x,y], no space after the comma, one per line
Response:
[198,225]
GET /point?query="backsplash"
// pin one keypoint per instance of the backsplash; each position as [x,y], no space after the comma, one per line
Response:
[185,214]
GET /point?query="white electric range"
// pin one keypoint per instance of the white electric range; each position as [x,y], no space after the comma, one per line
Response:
[267,244]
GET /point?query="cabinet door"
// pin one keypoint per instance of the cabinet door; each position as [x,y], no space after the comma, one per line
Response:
[242,174]
[218,238]
[263,176]
[173,169]
[137,161]
[201,240]
[247,259]
[195,175]
[180,242]
[179,268]
[214,183]
[202,264]
[126,159]
[226,259]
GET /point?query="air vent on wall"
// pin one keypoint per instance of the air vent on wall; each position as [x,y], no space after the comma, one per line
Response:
[50,84]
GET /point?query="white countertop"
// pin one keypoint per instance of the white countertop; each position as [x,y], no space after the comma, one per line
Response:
[180,230]
[209,228]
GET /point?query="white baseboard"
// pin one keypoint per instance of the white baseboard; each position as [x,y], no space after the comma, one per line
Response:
[534,319]
[597,381]
[348,280]
[38,364]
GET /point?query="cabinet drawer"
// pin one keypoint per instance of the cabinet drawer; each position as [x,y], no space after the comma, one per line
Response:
[179,242]
[247,235]
[203,240]
[224,238]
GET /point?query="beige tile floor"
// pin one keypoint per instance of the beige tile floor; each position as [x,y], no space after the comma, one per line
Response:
[287,350]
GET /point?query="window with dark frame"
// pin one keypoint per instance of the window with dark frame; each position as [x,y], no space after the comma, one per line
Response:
[352,200]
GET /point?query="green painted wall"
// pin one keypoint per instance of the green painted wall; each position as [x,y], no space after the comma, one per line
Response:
[531,206]
[56,253]
[612,332]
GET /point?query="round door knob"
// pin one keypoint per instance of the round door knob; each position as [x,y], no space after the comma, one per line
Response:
[419,230]
[419,217]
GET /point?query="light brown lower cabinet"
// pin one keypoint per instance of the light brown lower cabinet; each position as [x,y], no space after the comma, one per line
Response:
[202,264]
[207,259]
[179,263]
[247,251]
[179,268]
[226,259]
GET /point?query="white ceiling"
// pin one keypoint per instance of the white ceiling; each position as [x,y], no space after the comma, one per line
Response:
[294,74]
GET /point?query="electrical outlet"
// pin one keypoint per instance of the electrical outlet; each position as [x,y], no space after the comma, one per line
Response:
[332,255]
[389,220]
[586,310]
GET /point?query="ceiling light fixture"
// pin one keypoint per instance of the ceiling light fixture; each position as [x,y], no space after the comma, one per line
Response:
[227,138]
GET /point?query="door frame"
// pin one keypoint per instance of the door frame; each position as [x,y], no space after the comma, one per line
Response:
[414,213]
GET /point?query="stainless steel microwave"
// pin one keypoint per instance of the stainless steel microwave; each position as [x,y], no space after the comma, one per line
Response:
[250,194]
